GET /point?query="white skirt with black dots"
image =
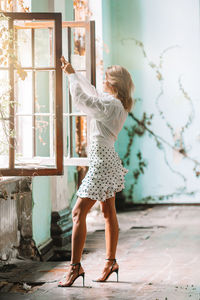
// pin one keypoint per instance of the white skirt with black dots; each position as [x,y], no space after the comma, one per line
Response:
[105,175]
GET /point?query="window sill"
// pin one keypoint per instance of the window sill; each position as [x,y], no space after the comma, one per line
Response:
[6,180]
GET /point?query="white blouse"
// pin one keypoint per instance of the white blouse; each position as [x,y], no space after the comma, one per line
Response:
[107,113]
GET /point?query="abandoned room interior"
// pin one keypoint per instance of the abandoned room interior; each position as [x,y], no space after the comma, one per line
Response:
[45,139]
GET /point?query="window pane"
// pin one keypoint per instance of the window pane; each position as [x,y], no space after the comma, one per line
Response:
[24,137]
[42,137]
[4,143]
[4,42]
[78,57]
[65,40]
[24,93]
[23,44]
[74,109]
[45,91]
[65,135]
[44,47]
[65,94]
[79,130]
[4,94]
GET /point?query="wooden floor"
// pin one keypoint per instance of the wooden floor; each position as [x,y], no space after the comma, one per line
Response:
[158,255]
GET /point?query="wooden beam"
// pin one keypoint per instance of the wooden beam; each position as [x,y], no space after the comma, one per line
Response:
[59,96]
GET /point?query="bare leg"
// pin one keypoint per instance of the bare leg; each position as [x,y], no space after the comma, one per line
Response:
[111,236]
[111,227]
[79,213]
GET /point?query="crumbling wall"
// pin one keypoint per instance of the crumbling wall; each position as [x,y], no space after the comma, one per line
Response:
[16,218]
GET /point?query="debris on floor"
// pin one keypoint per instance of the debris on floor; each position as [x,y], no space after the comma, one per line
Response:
[158,256]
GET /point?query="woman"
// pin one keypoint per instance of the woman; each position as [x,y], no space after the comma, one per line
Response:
[105,176]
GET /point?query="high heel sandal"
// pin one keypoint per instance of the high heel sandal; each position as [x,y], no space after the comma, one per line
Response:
[112,270]
[72,280]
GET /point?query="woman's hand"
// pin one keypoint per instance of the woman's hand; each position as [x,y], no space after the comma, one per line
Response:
[66,66]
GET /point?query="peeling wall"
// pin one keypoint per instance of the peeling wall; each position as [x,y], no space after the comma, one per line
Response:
[15,217]
[158,42]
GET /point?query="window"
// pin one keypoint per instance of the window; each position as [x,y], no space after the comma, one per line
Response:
[81,53]
[33,126]
[32,130]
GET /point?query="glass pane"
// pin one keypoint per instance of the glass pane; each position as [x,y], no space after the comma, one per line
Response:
[45,91]
[4,41]
[42,136]
[79,131]
[44,46]
[24,93]
[65,44]
[74,109]
[24,138]
[4,143]
[23,44]
[78,55]
[4,94]
[65,135]
[65,94]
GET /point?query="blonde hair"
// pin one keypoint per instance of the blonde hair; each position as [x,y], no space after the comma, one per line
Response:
[122,85]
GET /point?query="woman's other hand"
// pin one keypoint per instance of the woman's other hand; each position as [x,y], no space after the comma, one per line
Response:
[66,66]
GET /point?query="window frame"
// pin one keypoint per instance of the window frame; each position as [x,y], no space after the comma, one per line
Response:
[38,170]
[90,49]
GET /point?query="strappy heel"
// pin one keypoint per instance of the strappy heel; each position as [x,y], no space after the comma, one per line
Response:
[72,280]
[112,270]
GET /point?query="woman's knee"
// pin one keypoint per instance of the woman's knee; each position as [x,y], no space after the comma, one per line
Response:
[105,211]
[108,211]
[77,215]
[81,208]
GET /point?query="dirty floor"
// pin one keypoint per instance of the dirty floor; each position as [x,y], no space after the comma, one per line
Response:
[158,255]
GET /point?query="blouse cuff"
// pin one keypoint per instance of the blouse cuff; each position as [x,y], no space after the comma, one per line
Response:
[72,77]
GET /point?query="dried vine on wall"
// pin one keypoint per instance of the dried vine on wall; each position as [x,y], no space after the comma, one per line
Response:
[13,5]
[142,126]
[7,56]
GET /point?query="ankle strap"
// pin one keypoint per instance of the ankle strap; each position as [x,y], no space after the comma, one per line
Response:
[114,261]
[75,264]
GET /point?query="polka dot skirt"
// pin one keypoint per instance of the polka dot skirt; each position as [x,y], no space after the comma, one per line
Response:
[105,176]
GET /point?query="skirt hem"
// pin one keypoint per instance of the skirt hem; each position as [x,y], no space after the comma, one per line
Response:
[102,199]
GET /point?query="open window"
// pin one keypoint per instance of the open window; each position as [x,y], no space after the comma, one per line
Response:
[31,129]
[81,53]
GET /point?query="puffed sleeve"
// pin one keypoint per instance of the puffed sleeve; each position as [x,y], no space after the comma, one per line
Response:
[89,103]
[86,85]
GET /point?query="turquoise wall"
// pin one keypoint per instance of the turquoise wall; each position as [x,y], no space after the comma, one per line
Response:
[39,6]
[41,213]
[154,40]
